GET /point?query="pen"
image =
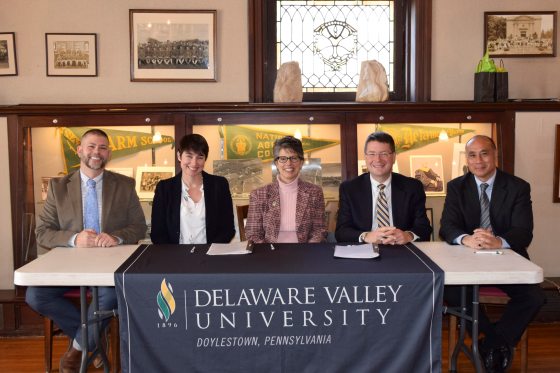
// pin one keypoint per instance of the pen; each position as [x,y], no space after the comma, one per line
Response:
[496,252]
[272,247]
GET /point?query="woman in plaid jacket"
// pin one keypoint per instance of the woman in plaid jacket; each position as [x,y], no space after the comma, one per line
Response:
[289,209]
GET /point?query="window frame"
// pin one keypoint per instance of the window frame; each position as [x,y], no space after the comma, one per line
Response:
[412,32]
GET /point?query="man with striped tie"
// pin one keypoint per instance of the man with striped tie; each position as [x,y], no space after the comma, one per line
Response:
[382,206]
[490,209]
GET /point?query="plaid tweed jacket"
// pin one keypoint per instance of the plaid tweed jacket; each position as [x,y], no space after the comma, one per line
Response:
[263,220]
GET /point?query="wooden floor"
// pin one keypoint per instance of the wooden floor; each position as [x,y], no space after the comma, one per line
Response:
[23,355]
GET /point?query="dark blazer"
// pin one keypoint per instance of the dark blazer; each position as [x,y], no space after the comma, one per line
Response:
[263,220]
[167,208]
[355,212]
[62,215]
[511,213]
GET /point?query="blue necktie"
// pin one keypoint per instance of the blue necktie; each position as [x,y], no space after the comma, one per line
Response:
[91,208]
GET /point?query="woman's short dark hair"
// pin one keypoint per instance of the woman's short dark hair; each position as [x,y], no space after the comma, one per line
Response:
[288,142]
[382,137]
[194,143]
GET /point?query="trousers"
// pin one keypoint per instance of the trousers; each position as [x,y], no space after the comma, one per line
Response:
[50,302]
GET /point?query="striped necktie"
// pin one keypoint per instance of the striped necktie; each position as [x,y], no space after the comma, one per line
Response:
[484,207]
[382,208]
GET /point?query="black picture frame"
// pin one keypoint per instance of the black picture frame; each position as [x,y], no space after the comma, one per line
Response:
[173,45]
[556,181]
[71,55]
[8,56]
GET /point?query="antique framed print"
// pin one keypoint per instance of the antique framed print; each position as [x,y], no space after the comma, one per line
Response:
[8,60]
[556,182]
[520,34]
[71,54]
[148,177]
[459,166]
[429,170]
[172,45]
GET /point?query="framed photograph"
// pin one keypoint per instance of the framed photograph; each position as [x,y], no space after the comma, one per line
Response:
[8,60]
[459,165]
[429,170]
[172,45]
[520,34]
[148,177]
[71,54]
[556,186]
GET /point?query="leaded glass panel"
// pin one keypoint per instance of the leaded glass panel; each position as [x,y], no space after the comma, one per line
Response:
[330,39]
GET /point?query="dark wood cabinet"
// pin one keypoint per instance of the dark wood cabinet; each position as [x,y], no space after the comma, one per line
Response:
[186,117]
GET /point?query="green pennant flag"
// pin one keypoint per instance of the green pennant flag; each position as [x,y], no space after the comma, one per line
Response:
[244,143]
[122,143]
[409,137]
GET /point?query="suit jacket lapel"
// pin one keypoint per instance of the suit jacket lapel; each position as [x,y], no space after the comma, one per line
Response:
[367,206]
[107,197]
[301,203]
[75,195]
[274,209]
[472,201]
[175,203]
[499,193]
[398,210]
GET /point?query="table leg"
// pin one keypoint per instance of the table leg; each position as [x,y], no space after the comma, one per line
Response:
[84,319]
[475,317]
[472,353]
[97,318]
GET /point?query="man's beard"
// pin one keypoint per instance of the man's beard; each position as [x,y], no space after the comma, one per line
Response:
[88,162]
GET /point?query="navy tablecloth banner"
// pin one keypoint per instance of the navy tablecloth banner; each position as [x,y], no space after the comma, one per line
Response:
[292,309]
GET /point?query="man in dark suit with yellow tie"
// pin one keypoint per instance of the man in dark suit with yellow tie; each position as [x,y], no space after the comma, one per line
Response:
[490,209]
[91,207]
[382,206]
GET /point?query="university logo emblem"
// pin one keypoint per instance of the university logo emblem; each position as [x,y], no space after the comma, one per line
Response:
[165,301]
[240,145]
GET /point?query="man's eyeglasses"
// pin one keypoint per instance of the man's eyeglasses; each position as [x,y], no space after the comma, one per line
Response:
[284,159]
[382,155]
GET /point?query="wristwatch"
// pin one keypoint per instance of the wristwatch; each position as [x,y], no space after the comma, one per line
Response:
[362,237]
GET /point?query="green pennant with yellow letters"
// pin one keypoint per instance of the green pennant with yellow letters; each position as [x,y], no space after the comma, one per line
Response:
[244,142]
[121,143]
[409,137]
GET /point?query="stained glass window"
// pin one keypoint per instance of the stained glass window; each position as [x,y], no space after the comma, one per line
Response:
[330,40]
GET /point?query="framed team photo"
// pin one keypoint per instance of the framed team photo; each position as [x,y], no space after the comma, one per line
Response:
[172,45]
[71,54]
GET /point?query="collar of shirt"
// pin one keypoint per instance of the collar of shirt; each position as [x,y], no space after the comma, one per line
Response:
[98,179]
[375,188]
[490,183]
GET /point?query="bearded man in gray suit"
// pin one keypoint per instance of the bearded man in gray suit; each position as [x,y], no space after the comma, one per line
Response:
[91,207]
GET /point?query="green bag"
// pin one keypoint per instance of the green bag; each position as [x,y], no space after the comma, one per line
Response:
[485,80]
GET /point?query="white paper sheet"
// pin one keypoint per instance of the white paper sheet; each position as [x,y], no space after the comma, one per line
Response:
[233,248]
[363,251]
